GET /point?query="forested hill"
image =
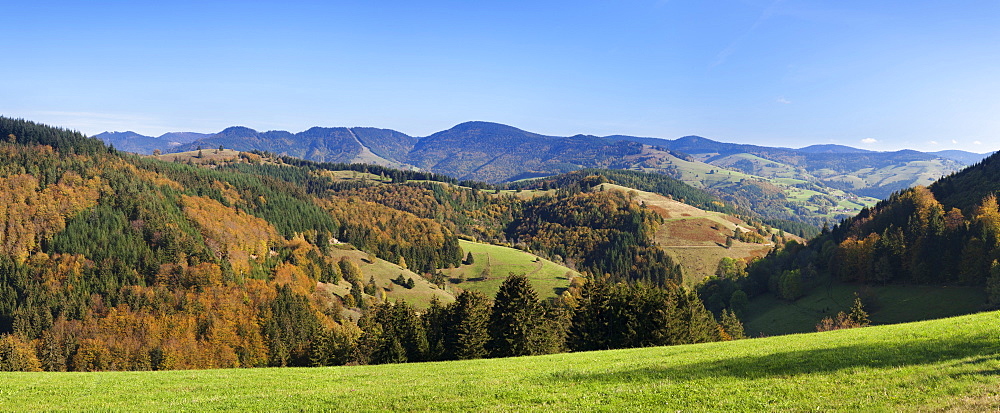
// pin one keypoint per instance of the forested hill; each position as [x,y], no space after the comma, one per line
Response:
[112,261]
[966,188]
[494,153]
[945,235]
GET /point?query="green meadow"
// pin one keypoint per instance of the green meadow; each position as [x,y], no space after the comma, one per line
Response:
[493,263]
[949,364]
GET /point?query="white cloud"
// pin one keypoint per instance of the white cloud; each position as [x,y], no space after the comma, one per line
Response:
[977,142]
[954,142]
[933,142]
[784,101]
[869,140]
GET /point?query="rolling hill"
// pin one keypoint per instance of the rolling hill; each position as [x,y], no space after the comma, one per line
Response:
[862,172]
[697,238]
[134,142]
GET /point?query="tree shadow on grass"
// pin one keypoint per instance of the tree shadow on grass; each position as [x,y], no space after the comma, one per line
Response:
[792,363]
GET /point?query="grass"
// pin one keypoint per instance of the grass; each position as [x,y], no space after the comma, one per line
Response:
[948,365]
[892,304]
[384,272]
[548,278]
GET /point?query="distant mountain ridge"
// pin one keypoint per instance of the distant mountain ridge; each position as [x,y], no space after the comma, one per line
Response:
[133,142]
[494,152]
[831,148]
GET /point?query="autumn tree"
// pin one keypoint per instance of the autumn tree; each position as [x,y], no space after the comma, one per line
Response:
[16,354]
[350,270]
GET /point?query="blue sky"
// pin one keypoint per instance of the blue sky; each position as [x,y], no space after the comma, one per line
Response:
[881,75]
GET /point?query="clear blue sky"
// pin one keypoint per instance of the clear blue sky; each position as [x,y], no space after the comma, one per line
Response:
[882,75]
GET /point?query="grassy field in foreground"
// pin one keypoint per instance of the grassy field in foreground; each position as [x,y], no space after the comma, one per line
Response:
[949,364]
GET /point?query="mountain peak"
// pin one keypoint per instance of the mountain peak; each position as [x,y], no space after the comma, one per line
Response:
[238,130]
[120,135]
[832,148]
[693,139]
[486,127]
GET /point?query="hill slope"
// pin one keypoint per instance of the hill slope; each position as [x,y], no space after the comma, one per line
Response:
[948,364]
[894,254]
[112,261]
[697,238]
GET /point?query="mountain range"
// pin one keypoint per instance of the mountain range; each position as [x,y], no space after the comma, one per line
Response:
[815,184]
[495,152]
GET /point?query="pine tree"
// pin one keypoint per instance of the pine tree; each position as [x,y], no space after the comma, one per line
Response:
[470,319]
[437,324]
[732,325]
[858,315]
[469,259]
[591,323]
[514,319]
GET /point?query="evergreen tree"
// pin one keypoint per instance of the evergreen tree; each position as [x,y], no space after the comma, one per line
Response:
[731,325]
[437,325]
[514,319]
[470,319]
[858,315]
[592,323]
[289,325]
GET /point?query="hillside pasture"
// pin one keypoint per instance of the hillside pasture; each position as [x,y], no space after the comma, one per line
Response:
[384,272]
[493,263]
[694,237]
